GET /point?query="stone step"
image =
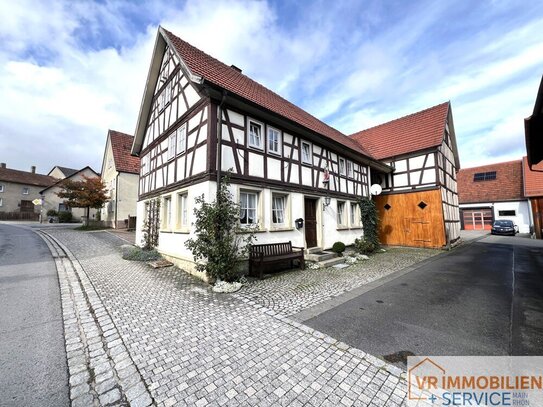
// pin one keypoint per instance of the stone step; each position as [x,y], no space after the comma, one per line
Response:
[320,256]
[313,250]
[332,262]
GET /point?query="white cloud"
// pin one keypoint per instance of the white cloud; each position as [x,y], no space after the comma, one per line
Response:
[71,70]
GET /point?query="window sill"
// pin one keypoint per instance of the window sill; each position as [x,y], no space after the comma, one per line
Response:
[342,228]
[165,231]
[279,229]
[181,231]
[309,164]
[244,229]
[356,227]
[256,147]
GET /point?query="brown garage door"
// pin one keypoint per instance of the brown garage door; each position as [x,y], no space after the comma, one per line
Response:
[477,219]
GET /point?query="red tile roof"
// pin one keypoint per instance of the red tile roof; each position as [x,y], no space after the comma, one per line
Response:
[417,131]
[533,180]
[25,177]
[232,80]
[121,145]
[506,187]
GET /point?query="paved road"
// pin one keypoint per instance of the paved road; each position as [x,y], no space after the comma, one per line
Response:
[33,370]
[461,303]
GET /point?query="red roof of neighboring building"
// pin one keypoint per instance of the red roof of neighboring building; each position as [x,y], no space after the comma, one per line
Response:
[226,77]
[506,187]
[26,178]
[417,131]
[533,180]
[121,145]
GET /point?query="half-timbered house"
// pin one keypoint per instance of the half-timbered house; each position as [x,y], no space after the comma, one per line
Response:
[419,203]
[200,118]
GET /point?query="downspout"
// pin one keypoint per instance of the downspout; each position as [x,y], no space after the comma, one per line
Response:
[219,142]
[116,197]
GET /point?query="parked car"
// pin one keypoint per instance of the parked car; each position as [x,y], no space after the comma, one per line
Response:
[504,227]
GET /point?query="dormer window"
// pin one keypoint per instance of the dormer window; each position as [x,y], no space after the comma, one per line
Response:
[255,134]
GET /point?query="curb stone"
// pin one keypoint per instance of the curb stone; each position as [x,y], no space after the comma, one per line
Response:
[95,373]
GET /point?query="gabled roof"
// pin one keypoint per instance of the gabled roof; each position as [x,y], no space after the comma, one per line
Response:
[506,187]
[204,70]
[121,144]
[417,131]
[60,181]
[67,171]
[25,177]
[214,71]
[533,179]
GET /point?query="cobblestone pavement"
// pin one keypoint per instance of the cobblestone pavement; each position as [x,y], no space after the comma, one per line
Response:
[195,347]
[291,292]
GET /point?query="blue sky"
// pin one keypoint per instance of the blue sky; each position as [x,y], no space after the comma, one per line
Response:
[69,71]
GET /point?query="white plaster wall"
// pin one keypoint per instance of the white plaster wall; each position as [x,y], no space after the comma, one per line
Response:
[172,242]
[522,210]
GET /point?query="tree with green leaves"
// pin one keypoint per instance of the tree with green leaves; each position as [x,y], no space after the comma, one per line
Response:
[90,192]
[220,242]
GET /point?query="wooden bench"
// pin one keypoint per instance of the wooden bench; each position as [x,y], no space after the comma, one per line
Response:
[272,253]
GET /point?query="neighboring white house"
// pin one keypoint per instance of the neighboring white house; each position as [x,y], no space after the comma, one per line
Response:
[50,199]
[120,174]
[491,192]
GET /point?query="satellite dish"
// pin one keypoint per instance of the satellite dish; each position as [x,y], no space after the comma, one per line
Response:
[376,189]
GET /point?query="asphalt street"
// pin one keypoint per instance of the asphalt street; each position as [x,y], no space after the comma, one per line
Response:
[33,370]
[483,298]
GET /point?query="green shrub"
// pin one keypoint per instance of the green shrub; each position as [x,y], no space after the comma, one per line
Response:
[219,246]
[364,246]
[370,221]
[52,212]
[338,247]
[65,217]
[139,254]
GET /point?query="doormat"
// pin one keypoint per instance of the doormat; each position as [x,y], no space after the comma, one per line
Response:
[157,264]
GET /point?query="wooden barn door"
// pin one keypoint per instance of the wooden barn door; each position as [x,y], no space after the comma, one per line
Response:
[310,222]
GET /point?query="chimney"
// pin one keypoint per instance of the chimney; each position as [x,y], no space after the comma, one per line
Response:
[33,169]
[3,165]
[236,68]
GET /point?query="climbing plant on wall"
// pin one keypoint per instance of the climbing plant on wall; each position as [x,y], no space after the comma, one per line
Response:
[370,223]
[151,224]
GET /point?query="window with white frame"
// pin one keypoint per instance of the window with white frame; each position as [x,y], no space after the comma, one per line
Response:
[165,96]
[1,201]
[171,146]
[342,166]
[354,214]
[26,190]
[349,169]
[248,208]
[340,213]
[1,188]
[279,209]
[255,134]
[274,141]
[183,210]
[167,214]
[306,152]
[182,139]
